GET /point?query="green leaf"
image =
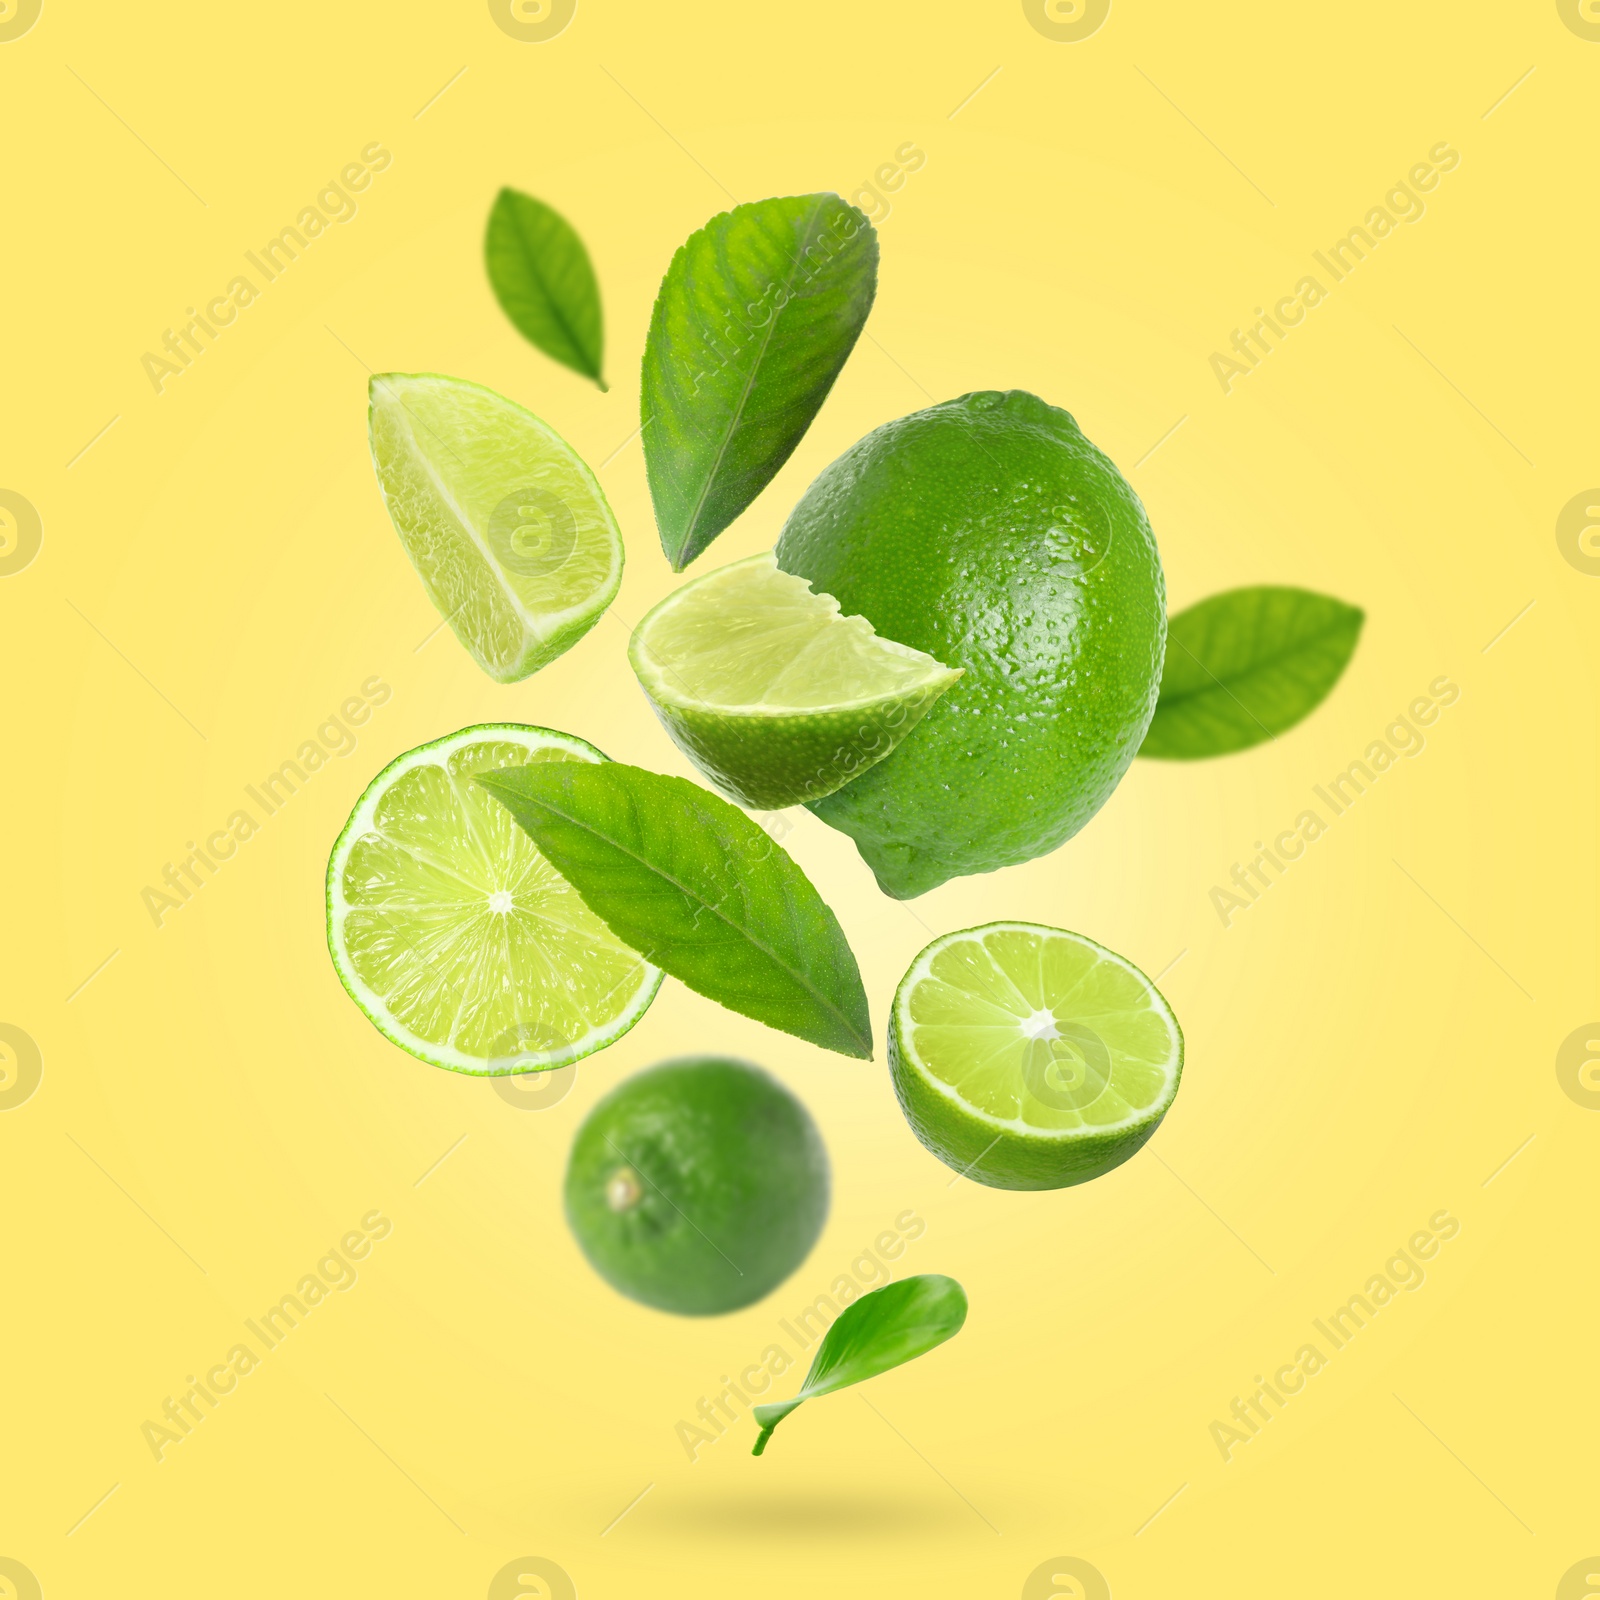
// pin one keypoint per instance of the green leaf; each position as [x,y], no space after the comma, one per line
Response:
[1244,665]
[697,888]
[543,279]
[884,1329]
[755,317]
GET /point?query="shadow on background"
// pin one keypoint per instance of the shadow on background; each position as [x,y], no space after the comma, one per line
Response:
[789,1512]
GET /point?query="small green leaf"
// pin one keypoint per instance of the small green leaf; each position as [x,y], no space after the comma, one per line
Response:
[755,317]
[543,279]
[884,1329]
[1244,665]
[696,887]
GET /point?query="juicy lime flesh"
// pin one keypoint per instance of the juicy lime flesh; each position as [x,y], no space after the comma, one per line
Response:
[1040,1030]
[697,1186]
[751,638]
[770,691]
[460,939]
[504,523]
[991,534]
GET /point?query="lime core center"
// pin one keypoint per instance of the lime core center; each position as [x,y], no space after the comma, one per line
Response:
[1040,1025]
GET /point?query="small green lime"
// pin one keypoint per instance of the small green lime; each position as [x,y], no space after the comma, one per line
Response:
[991,534]
[697,1186]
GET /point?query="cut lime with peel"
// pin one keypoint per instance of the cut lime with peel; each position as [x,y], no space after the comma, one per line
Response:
[455,936]
[770,691]
[1026,1057]
[504,523]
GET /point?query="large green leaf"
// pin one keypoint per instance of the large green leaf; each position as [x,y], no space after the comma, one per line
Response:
[544,281]
[755,317]
[696,887]
[892,1325]
[1246,664]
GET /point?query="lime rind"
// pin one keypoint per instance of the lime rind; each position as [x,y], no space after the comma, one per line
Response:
[505,524]
[438,871]
[1053,1059]
[698,1185]
[771,691]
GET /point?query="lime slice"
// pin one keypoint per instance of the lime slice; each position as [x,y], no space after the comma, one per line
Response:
[506,526]
[459,941]
[1030,1058]
[773,694]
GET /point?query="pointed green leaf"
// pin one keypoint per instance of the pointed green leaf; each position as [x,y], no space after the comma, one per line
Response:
[544,281]
[755,317]
[696,887]
[884,1329]
[1244,665]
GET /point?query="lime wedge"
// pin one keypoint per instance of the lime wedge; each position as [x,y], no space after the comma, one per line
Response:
[773,694]
[1030,1058]
[459,941]
[506,526]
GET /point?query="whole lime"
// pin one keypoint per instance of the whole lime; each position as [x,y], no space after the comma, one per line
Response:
[697,1186]
[991,534]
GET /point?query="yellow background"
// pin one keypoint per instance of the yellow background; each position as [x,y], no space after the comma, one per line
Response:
[1367,1044]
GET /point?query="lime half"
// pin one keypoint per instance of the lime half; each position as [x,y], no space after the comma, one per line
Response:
[1030,1058]
[770,691]
[459,941]
[506,526]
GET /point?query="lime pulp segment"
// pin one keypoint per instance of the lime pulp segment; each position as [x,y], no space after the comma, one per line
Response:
[506,526]
[1033,1053]
[455,936]
[770,690]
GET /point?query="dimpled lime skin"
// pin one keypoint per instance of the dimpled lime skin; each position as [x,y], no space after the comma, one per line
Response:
[800,757]
[730,1186]
[990,533]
